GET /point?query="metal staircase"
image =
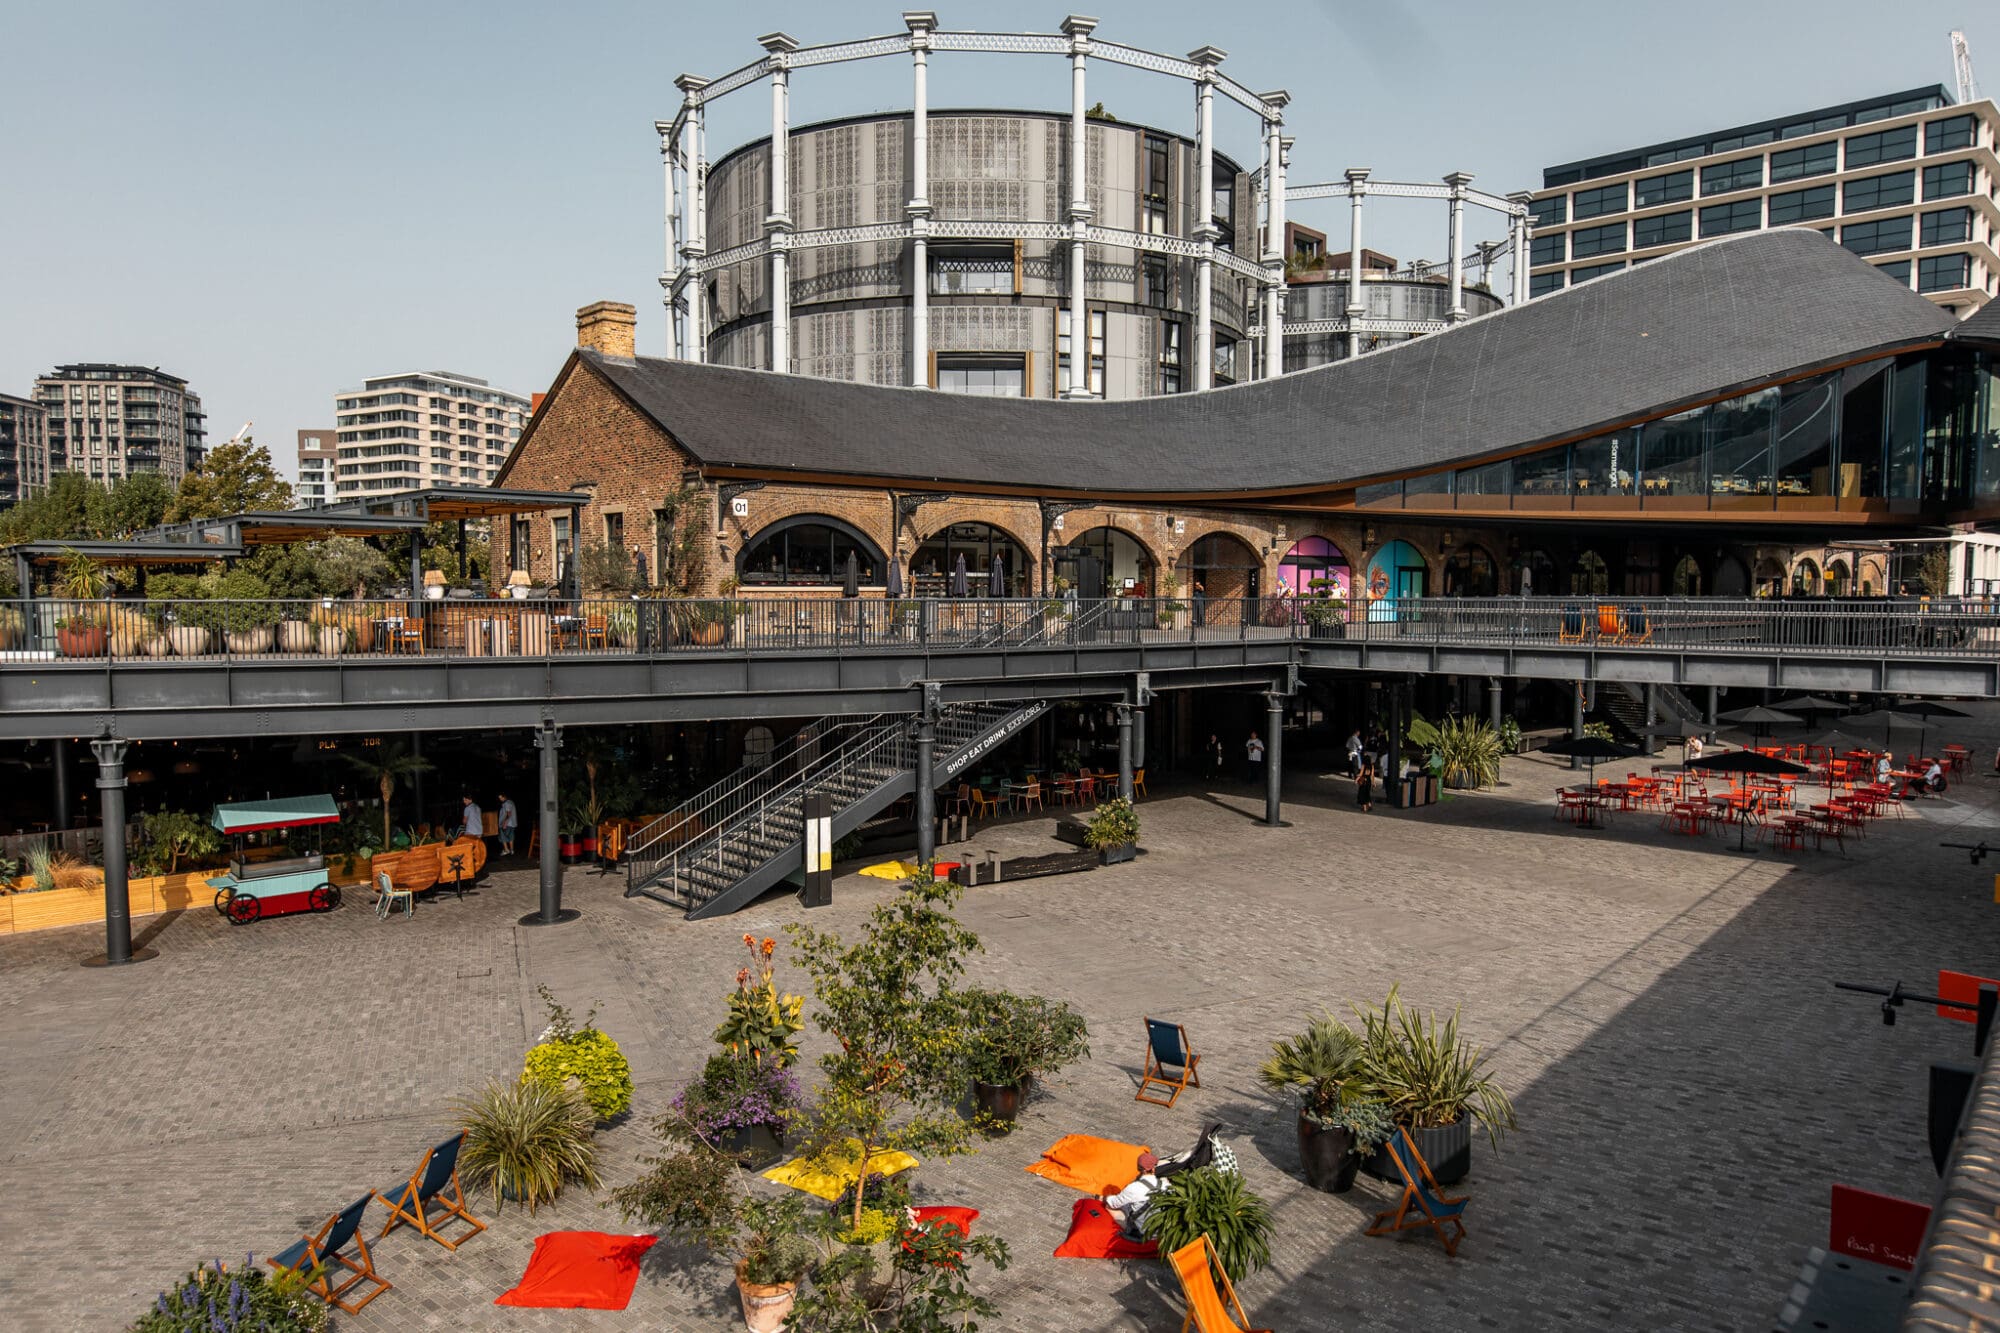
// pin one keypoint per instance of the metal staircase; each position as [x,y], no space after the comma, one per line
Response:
[1624,707]
[718,851]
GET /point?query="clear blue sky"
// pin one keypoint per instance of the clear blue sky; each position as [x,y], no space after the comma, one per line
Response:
[278,199]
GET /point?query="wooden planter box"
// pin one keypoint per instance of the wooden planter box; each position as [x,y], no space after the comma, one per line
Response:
[57,907]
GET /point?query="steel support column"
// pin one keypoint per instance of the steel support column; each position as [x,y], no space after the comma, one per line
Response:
[919,206]
[1576,720]
[1392,781]
[1357,188]
[669,161]
[110,754]
[926,733]
[548,740]
[1274,758]
[1078,29]
[778,223]
[1125,751]
[417,777]
[1710,705]
[1493,701]
[694,243]
[1205,231]
[59,753]
[1518,232]
[1274,239]
[1457,180]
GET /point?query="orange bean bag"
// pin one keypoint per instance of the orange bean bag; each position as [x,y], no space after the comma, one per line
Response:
[580,1270]
[1093,1165]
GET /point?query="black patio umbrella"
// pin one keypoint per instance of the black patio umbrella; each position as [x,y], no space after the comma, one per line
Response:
[1760,718]
[959,587]
[1682,730]
[850,582]
[1590,749]
[1837,742]
[1809,704]
[1745,761]
[996,578]
[1923,710]
[893,589]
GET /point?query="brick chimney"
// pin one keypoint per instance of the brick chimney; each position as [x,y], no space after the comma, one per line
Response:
[608,327]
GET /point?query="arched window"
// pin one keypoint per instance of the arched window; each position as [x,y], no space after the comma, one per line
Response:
[1732,577]
[1590,577]
[1110,558]
[981,544]
[1770,580]
[1315,566]
[1805,578]
[1839,581]
[1470,573]
[1395,573]
[1687,580]
[1538,575]
[1225,567]
[809,551]
[757,746]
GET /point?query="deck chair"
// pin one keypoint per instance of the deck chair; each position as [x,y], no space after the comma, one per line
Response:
[1571,629]
[1421,1192]
[1212,1306]
[317,1255]
[1607,623]
[1167,1047]
[1638,626]
[423,1200]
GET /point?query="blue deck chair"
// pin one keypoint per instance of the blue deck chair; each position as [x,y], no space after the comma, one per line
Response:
[317,1255]
[1168,1048]
[1571,629]
[424,1202]
[1420,1190]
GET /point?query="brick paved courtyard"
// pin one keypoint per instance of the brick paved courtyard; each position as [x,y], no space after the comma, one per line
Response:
[1688,1083]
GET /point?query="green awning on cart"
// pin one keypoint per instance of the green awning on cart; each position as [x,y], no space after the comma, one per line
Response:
[285,812]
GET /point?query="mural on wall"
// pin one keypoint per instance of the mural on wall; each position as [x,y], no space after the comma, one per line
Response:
[1315,559]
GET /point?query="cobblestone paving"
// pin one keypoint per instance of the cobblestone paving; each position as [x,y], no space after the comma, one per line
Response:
[1688,1083]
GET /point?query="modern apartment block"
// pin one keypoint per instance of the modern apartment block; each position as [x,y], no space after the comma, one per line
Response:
[24,448]
[317,452]
[1910,181]
[421,428]
[109,421]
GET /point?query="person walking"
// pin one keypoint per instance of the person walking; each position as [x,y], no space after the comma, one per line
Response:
[510,820]
[1253,759]
[1364,788]
[1354,753]
[1216,759]
[473,825]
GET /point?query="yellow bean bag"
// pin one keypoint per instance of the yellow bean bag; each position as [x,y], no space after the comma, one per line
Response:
[1088,1163]
[827,1177]
[895,870]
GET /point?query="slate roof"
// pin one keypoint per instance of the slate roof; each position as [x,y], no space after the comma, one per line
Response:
[1688,326]
[1983,324]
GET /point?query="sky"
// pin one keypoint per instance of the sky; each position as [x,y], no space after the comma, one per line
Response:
[277,200]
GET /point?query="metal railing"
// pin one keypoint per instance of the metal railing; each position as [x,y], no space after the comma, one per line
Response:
[138,630]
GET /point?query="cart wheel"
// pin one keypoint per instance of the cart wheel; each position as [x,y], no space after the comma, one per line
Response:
[324,898]
[222,897]
[243,908]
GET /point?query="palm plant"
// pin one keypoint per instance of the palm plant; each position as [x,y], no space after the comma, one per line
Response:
[1217,1204]
[1428,1074]
[384,764]
[1469,748]
[1314,1064]
[528,1139]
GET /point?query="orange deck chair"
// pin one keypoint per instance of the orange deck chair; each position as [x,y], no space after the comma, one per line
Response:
[1212,1306]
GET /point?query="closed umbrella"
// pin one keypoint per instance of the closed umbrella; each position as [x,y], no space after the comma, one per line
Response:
[996,578]
[850,583]
[1745,761]
[893,590]
[1761,718]
[959,586]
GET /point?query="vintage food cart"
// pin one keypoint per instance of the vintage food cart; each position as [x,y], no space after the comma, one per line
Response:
[253,888]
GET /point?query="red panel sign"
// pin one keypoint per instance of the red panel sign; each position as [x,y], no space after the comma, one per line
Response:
[1964,987]
[1877,1227]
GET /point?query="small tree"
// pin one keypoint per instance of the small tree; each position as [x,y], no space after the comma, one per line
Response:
[890,1003]
[1934,573]
[384,764]
[233,479]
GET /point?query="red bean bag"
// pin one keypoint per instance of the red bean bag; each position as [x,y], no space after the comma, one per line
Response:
[959,1219]
[1094,1234]
[580,1270]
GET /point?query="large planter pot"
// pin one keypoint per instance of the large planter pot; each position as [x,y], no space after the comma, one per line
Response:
[257,640]
[755,1146]
[707,635]
[518,592]
[1328,1157]
[332,640]
[296,636]
[1001,1101]
[13,631]
[156,646]
[80,640]
[586,845]
[1448,1152]
[1124,851]
[570,848]
[765,1309]
[188,640]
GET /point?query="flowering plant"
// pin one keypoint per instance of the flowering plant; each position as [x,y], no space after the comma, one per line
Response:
[212,1297]
[733,1093]
[761,1022]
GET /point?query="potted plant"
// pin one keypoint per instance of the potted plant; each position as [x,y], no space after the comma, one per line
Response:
[1170,613]
[733,612]
[83,583]
[1315,1065]
[13,630]
[1468,753]
[243,611]
[248,1297]
[1213,1202]
[298,634]
[1113,831]
[526,1140]
[130,631]
[1013,1039]
[585,1058]
[1510,735]
[517,585]
[761,1022]
[741,1107]
[1434,1083]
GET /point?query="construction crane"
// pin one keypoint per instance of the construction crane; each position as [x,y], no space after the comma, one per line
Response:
[241,435]
[1961,64]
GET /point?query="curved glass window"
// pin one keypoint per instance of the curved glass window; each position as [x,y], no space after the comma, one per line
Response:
[1687,580]
[1106,562]
[809,551]
[1471,573]
[1740,445]
[982,545]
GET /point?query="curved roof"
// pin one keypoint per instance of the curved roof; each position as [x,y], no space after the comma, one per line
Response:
[1686,327]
